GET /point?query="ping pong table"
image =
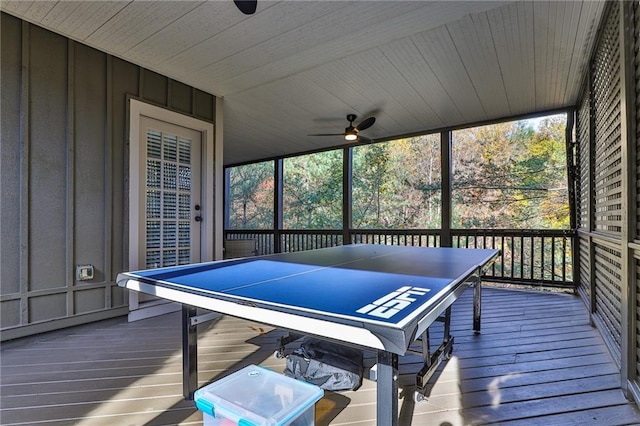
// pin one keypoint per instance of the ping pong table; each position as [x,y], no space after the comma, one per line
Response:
[376,297]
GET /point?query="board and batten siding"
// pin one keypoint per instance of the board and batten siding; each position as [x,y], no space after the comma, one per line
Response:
[63,171]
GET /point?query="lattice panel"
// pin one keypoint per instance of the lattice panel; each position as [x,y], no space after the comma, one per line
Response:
[585,271]
[636,49]
[637,317]
[606,95]
[584,188]
[636,58]
[608,294]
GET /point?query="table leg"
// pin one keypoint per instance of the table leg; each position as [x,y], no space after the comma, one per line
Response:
[189,353]
[477,303]
[387,389]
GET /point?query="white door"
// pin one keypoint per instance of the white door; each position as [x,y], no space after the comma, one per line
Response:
[175,190]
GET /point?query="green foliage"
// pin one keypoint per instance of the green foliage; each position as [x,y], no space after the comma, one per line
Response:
[251,196]
[510,175]
[506,175]
[396,185]
[313,191]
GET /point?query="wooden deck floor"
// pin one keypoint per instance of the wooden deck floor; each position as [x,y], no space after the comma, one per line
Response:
[537,362]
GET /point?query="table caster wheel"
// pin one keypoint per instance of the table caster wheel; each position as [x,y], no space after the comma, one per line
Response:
[418,397]
[279,354]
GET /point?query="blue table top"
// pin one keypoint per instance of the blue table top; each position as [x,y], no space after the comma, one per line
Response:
[376,283]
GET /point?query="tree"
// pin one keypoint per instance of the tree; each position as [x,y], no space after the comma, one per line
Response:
[510,175]
[369,179]
[397,184]
[313,191]
[505,175]
[251,196]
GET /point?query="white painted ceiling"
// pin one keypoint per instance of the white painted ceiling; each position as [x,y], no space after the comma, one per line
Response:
[299,67]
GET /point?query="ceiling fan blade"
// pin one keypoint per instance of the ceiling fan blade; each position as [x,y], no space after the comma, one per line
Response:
[365,124]
[248,7]
[327,134]
[364,139]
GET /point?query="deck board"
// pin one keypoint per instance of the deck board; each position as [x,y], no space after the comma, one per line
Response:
[537,362]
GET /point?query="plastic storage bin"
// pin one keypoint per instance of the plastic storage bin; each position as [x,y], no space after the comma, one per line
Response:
[256,396]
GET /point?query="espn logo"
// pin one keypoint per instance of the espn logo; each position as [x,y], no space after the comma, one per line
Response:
[389,305]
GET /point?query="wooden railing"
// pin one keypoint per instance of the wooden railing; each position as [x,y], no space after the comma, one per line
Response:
[528,257]
[397,237]
[531,257]
[264,239]
[299,240]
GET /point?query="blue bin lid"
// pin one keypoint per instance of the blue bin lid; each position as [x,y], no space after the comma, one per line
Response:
[256,396]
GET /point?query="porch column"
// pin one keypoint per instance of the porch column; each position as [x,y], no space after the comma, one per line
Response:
[347,200]
[278,191]
[446,178]
[227,197]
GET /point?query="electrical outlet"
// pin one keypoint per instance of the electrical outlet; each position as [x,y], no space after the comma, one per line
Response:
[84,272]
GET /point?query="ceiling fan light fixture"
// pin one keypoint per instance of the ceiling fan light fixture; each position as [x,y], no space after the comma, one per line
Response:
[351,132]
[352,136]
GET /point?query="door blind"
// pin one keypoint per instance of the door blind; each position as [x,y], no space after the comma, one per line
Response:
[168,200]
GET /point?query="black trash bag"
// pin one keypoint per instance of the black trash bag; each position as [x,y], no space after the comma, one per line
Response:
[328,365]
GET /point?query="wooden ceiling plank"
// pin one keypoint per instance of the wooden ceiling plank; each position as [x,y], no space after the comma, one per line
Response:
[512,30]
[406,57]
[438,49]
[542,34]
[474,42]
[254,35]
[138,22]
[34,10]
[386,75]
[315,35]
[422,17]
[86,19]
[589,18]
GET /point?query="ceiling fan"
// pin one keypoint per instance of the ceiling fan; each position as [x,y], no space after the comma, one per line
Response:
[248,7]
[351,133]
